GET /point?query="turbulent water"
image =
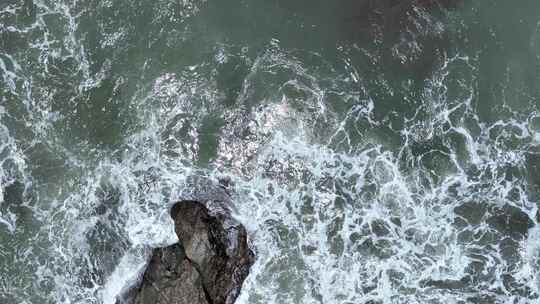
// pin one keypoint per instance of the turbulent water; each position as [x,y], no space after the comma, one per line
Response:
[374,158]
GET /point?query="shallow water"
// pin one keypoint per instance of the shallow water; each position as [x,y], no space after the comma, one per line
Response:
[374,158]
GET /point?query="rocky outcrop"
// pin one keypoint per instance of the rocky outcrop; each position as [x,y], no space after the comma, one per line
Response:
[207,266]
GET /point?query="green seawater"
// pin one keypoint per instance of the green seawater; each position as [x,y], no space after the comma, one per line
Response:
[378,151]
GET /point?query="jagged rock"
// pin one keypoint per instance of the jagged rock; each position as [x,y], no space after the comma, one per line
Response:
[207,266]
[171,278]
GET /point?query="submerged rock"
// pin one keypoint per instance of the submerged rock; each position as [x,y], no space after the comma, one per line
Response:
[410,35]
[207,266]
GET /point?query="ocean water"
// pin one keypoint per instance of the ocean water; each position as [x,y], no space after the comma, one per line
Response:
[377,152]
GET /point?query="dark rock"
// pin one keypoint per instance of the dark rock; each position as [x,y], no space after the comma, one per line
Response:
[207,266]
[171,278]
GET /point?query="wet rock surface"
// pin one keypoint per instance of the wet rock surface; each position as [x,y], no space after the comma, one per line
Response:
[207,266]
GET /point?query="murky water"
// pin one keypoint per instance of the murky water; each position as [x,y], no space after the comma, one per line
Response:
[378,151]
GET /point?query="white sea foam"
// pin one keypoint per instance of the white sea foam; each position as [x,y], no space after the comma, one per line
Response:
[338,227]
[127,274]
